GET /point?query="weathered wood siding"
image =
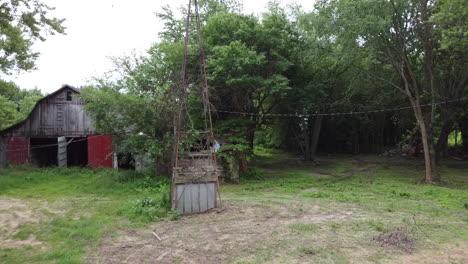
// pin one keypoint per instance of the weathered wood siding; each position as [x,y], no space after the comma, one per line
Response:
[55,116]
[3,151]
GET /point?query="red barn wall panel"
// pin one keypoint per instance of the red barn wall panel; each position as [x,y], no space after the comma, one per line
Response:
[99,151]
[17,151]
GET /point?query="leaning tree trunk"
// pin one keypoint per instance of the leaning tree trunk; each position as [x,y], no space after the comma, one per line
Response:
[432,175]
[315,136]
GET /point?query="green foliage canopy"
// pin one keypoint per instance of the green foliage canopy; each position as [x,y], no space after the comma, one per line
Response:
[15,103]
[22,22]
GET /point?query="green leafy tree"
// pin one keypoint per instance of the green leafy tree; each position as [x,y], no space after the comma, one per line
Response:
[136,107]
[247,64]
[8,112]
[451,20]
[16,104]
[174,26]
[401,35]
[316,78]
[22,22]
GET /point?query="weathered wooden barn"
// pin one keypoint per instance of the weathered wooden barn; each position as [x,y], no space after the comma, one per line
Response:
[57,132]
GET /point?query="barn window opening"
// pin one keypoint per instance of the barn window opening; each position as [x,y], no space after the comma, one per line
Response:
[69,96]
[43,151]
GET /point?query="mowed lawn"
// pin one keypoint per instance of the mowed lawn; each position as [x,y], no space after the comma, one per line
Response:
[348,209]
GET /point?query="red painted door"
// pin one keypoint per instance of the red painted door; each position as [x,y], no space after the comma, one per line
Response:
[100,151]
[17,151]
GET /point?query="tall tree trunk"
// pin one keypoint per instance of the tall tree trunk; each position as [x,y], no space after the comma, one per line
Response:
[251,140]
[251,137]
[435,168]
[442,142]
[464,133]
[242,161]
[432,175]
[307,142]
[426,36]
[315,136]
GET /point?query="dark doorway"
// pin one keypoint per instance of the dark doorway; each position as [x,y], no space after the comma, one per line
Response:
[126,161]
[44,151]
[77,152]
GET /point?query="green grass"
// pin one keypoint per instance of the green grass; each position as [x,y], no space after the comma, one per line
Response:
[304,227]
[398,184]
[388,191]
[85,205]
[92,202]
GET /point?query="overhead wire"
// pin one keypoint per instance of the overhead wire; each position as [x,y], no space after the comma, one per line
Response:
[282,115]
[51,145]
[337,113]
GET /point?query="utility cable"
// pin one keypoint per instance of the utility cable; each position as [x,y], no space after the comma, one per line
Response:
[338,113]
[51,145]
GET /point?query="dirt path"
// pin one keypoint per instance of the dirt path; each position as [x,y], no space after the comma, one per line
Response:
[260,232]
[216,237]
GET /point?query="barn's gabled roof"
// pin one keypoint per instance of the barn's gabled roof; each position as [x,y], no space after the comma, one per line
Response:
[64,87]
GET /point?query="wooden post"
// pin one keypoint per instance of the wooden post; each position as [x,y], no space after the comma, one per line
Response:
[3,151]
[115,161]
[62,152]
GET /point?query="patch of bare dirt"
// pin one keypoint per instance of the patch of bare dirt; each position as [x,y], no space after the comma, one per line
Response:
[13,214]
[16,243]
[220,236]
[448,254]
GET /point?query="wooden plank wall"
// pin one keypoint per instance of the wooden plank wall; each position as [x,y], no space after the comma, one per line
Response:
[56,116]
[3,151]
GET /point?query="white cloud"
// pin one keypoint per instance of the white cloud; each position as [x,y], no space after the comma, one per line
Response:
[97,30]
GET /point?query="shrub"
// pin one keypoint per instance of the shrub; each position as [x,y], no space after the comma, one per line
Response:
[253,174]
[153,202]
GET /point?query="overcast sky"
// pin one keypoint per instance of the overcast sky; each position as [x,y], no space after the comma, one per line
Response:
[97,30]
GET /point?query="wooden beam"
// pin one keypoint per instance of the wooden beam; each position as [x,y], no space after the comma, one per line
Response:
[71,140]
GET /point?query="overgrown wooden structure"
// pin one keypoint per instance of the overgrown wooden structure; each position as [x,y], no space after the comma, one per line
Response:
[195,181]
[57,132]
[195,171]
